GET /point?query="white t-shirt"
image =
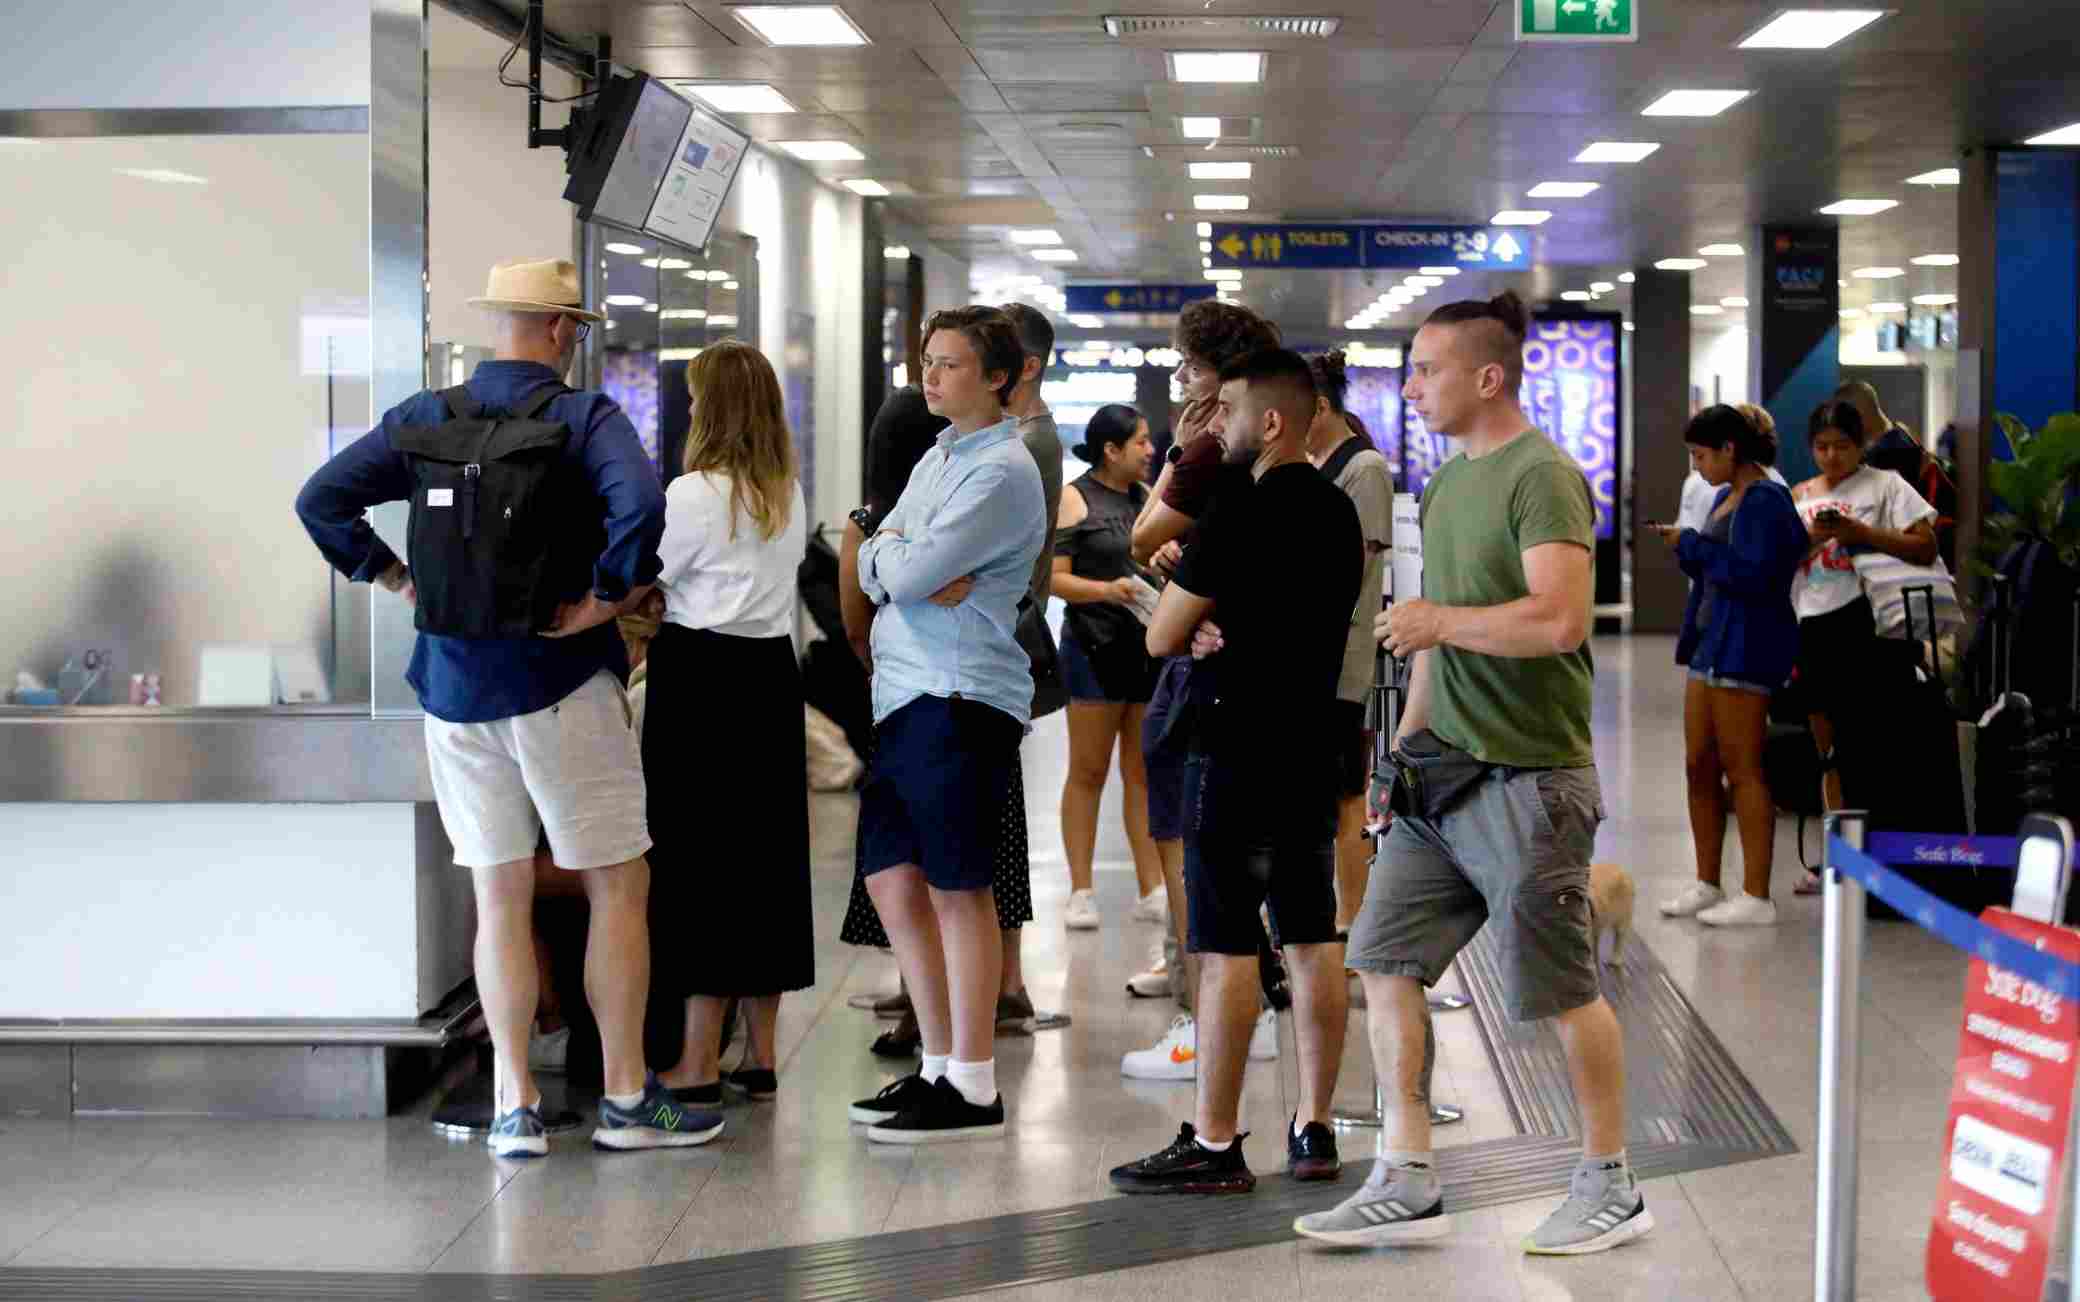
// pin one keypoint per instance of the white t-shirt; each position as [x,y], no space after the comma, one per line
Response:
[1698,495]
[743,586]
[1879,498]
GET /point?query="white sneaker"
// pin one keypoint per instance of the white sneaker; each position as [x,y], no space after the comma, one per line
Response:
[549,1053]
[1174,1057]
[1153,907]
[1741,910]
[1152,984]
[1263,1042]
[1082,914]
[1691,900]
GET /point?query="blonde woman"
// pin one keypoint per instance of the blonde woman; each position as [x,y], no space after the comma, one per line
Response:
[723,750]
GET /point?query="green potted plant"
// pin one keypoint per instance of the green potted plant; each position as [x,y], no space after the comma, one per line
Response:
[2037,495]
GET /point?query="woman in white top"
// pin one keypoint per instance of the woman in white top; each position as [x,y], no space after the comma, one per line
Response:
[1847,508]
[723,749]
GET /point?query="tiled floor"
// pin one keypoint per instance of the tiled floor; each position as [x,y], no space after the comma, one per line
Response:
[392,1196]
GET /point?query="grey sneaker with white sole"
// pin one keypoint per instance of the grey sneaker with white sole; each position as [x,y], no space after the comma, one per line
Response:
[1604,1209]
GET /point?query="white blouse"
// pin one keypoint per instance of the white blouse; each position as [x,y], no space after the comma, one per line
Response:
[742,586]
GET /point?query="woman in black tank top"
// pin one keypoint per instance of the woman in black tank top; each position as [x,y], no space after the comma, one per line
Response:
[1105,661]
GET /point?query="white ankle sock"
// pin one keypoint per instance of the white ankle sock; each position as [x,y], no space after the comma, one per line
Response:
[977,1081]
[625,1100]
[1212,1147]
[934,1069]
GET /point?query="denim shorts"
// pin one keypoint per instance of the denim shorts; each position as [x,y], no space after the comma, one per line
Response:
[1167,803]
[1260,839]
[1710,679]
[1514,853]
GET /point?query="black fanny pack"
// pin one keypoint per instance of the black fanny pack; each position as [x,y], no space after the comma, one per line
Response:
[1431,775]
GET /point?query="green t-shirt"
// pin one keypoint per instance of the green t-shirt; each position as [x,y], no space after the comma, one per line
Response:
[1479,515]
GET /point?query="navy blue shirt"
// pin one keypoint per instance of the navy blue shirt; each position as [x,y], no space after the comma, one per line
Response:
[477,680]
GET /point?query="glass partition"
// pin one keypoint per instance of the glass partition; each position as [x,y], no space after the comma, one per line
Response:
[188,332]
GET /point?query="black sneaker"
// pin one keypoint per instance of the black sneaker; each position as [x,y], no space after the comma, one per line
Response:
[1015,1015]
[906,1041]
[697,1096]
[755,1083]
[942,1115]
[1311,1154]
[1187,1167]
[890,1102]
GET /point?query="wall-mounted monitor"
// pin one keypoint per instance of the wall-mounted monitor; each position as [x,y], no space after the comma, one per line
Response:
[647,159]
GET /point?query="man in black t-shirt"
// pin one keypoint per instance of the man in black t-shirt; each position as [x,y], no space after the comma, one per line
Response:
[1278,567]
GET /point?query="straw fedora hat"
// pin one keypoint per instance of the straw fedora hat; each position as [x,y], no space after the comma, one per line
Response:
[535,285]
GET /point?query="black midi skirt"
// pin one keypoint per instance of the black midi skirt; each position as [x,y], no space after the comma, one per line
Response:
[726,766]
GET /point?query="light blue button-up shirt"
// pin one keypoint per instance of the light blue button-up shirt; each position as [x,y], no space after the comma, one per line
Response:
[973,505]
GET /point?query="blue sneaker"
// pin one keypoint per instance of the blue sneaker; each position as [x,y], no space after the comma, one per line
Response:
[519,1133]
[656,1121]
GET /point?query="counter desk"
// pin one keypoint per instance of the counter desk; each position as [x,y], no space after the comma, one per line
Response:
[223,911]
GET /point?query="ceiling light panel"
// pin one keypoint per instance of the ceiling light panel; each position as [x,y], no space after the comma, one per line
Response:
[1888,307]
[1722,251]
[1205,230]
[1941,176]
[1859,207]
[1810,29]
[1681,264]
[1935,260]
[1706,309]
[1735,301]
[1562,189]
[1520,217]
[1200,128]
[1575,295]
[2066,135]
[738,96]
[799,24]
[821,151]
[1627,277]
[1935,300]
[1054,255]
[163,175]
[1438,271]
[1694,103]
[1132,26]
[1036,237]
[1878,273]
[1220,171]
[1616,151]
[1225,66]
[896,252]
[1221,202]
[1602,287]
[865,188]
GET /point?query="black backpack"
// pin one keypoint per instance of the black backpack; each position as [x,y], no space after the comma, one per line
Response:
[504,526]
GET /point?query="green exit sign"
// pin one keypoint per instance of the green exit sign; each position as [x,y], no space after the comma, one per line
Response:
[1577,20]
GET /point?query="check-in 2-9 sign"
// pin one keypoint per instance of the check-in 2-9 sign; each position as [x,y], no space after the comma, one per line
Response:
[1577,20]
[1335,246]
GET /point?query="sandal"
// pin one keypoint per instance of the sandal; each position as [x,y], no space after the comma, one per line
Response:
[1810,884]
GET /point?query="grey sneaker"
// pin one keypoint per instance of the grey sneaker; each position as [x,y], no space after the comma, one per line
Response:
[1604,1210]
[656,1121]
[519,1133]
[1404,1207]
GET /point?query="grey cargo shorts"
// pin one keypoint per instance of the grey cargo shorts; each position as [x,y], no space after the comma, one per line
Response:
[1516,851]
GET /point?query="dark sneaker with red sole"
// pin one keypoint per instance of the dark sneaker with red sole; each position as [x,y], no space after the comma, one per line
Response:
[1311,1154]
[1187,1167]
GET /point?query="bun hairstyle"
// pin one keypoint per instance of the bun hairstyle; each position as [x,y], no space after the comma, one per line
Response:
[1718,427]
[1331,379]
[1839,415]
[1110,426]
[1511,324]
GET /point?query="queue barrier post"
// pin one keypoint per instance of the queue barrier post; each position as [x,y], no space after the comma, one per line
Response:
[1841,997]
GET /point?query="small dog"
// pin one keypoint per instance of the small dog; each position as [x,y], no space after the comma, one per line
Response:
[1610,911]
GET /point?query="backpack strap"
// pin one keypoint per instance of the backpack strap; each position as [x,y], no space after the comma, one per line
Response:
[460,405]
[1341,457]
[547,394]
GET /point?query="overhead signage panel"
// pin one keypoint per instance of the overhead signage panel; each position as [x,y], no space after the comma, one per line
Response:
[1355,245]
[1133,298]
[1577,20]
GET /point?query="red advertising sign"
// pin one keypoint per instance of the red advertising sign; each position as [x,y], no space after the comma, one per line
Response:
[2006,1143]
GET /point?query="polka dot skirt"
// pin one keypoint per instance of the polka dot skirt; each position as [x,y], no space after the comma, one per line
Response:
[1012,885]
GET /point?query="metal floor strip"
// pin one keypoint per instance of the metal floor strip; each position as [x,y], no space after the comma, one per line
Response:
[1692,1109]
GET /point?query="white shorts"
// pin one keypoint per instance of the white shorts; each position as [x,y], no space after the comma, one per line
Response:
[574,768]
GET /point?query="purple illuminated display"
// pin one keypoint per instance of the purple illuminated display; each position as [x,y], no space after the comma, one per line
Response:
[630,379]
[1570,392]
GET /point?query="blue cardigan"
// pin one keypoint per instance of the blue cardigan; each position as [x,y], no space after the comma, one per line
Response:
[1754,631]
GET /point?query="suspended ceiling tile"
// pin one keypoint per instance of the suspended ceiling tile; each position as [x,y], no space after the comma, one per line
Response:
[1026,97]
[1065,63]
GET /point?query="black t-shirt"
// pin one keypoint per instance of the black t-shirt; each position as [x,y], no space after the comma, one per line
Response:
[1282,563]
[903,431]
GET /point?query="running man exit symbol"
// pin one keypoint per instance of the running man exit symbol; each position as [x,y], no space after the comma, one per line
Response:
[1577,20]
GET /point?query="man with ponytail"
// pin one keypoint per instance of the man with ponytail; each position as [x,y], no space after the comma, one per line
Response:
[1496,801]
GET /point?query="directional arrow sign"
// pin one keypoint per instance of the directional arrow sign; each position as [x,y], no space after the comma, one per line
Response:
[1577,20]
[1506,248]
[1233,246]
[1114,299]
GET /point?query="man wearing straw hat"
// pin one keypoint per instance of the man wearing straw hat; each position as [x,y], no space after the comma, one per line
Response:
[528,731]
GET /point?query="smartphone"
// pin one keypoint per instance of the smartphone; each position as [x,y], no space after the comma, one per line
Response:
[2044,868]
[1827,515]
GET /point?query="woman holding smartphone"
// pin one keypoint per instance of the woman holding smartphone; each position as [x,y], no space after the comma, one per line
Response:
[1848,507]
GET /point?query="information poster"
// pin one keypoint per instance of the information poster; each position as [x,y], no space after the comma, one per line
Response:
[689,199]
[1405,575]
[2004,1151]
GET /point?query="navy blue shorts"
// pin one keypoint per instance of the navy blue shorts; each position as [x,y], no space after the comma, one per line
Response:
[1254,841]
[1165,760]
[935,793]
[1079,678]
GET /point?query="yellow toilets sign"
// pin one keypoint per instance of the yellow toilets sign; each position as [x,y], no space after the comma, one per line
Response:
[1577,20]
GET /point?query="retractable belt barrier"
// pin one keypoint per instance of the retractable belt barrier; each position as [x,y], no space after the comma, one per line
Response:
[2003,1240]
